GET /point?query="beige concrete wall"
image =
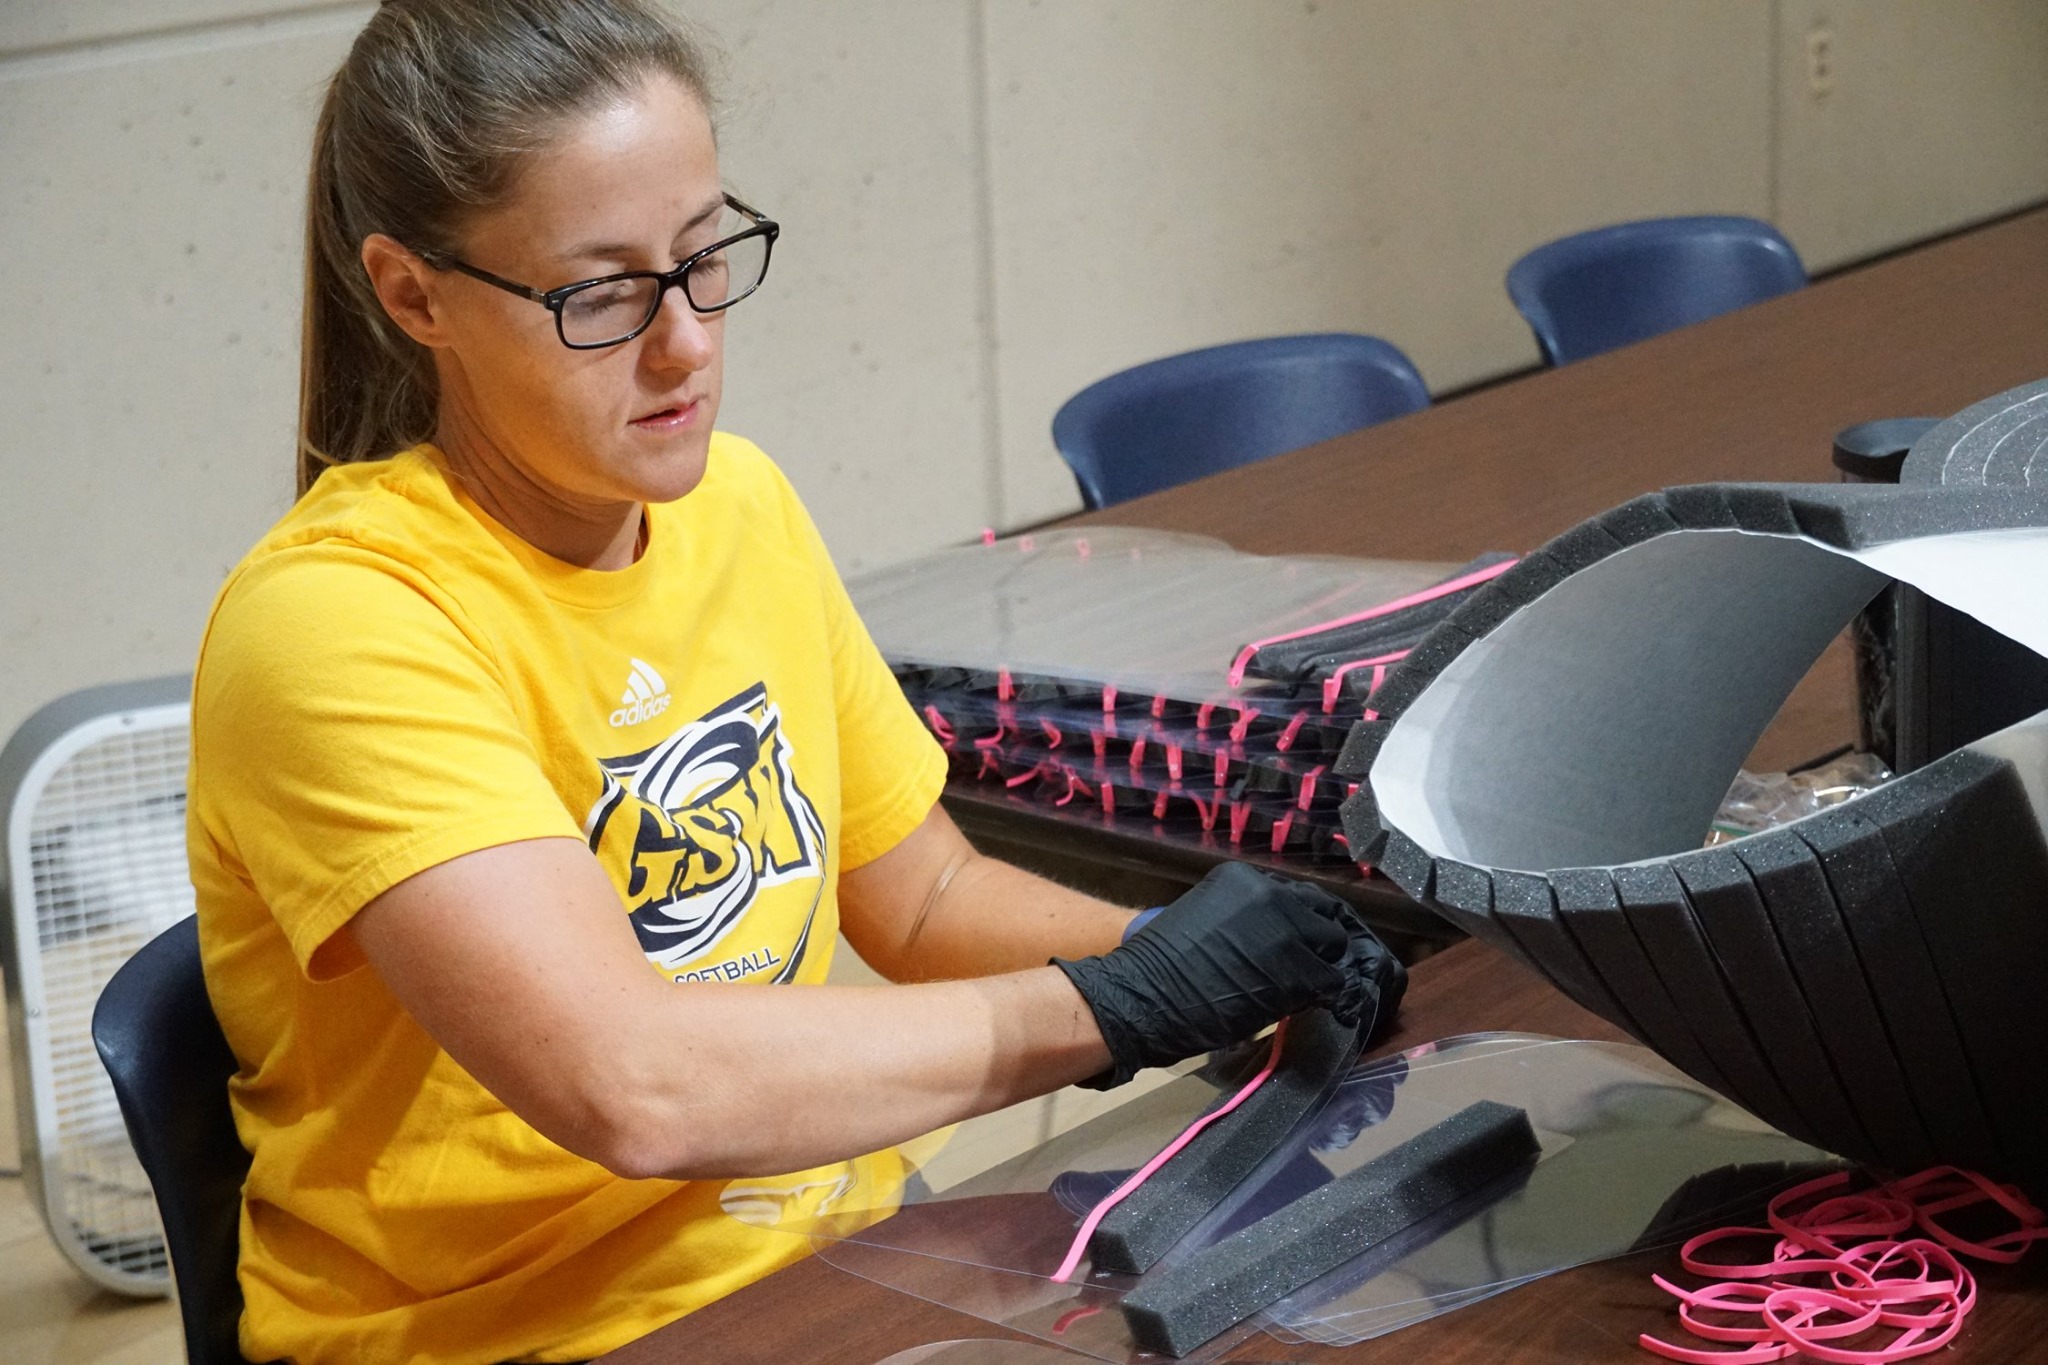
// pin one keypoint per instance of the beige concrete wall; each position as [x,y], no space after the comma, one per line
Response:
[1175,173]
[1900,119]
[989,203]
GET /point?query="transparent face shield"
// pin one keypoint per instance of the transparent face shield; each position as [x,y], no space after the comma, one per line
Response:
[1633,1156]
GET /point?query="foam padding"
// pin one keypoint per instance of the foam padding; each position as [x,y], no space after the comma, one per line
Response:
[1587,900]
[1801,906]
[1969,854]
[1739,930]
[1524,906]
[1655,902]
[1364,834]
[1136,1233]
[1762,508]
[1700,507]
[1407,866]
[1920,1019]
[1178,1309]
[1638,520]
[1361,747]
[1463,894]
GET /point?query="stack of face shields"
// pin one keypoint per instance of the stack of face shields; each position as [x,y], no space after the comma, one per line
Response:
[1155,680]
[1633,1156]
[1867,977]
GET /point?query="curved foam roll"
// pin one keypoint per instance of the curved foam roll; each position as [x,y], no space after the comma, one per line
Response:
[1543,768]
[1212,1291]
[1136,1233]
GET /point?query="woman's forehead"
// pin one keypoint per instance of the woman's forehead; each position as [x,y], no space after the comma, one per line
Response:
[630,174]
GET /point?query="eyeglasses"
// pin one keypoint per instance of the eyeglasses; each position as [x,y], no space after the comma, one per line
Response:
[613,309]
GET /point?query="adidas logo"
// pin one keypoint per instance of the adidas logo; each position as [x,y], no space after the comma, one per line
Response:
[646,696]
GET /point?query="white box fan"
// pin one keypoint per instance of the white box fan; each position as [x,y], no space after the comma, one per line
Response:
[93,791]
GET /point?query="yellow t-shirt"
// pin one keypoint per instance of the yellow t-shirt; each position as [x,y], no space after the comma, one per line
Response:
[389,680]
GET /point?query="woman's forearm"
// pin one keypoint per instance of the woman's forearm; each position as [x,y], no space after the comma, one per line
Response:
[768,1080]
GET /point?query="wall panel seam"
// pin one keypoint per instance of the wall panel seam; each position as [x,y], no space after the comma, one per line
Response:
[995,499]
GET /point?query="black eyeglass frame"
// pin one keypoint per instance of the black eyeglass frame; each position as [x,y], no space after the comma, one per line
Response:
[554,299]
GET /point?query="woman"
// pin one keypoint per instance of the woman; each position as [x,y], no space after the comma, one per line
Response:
[542,722]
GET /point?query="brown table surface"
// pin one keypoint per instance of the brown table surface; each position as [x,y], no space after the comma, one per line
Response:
[811,1312]
[1756,394]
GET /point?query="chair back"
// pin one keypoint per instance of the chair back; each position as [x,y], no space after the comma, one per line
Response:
[156,1033]
[1597,290]
[1163,423]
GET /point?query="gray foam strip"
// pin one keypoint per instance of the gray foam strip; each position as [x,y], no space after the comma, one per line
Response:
[1364,834]
[1587,899]
[1136,1233]
[1801,905]
[1212,1291]
[1407,866]
[1958,450]
[1582,546]
[1700,506]
[1737,927]
[1361,747]
[1970,856]
[1920,1018]
[1638,520]
[1463,894]
[1524,905]
[1655,902]
[1762,508]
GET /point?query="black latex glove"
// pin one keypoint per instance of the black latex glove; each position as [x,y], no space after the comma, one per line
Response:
[1240,950]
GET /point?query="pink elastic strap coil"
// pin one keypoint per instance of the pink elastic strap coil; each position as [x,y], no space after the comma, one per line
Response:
[1877,1273]
[1445,589]
[1166,1154]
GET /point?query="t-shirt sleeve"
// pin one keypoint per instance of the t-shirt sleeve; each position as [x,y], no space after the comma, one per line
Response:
[348,733]
[891,770]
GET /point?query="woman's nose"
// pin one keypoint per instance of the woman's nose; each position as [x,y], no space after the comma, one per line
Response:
[680,336]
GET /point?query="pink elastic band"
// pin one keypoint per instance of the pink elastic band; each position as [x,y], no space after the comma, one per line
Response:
[1470,580]
[1171,1150]
[1333,686]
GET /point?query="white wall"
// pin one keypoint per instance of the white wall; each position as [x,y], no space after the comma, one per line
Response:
[988,204]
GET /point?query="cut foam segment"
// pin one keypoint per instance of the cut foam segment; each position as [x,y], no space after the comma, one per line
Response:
[1139,1230]
[1961,834]
[1525,906]
[1187,1304]
[1902,978]
[1655,902]
[1590,907]
[1731,912]
[1801,905]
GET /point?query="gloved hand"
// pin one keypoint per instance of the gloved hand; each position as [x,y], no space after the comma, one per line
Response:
[1240,950]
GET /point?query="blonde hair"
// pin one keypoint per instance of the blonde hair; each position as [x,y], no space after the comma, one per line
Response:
[424,125]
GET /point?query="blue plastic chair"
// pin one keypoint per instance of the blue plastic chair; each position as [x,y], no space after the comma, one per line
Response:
[1169,421]
[1597,290]
[155,1030]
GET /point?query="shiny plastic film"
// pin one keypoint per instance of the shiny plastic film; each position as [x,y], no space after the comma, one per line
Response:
[1633,1155]
[1164,684]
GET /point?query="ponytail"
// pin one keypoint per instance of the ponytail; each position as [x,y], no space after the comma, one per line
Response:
[421,127]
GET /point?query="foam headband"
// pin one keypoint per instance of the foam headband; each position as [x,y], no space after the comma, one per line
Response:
[1544,765]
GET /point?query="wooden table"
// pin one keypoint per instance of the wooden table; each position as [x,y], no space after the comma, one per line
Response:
[811,1312]
[1754,395]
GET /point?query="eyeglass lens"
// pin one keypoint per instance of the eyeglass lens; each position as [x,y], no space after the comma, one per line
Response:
[617,308]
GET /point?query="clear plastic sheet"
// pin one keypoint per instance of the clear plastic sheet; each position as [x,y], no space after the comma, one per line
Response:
[1761,801]
[1634,1156]
[1142,611]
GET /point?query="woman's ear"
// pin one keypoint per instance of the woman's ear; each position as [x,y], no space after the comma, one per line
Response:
[407,286]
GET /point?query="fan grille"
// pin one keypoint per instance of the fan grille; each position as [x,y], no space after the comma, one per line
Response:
[108,873]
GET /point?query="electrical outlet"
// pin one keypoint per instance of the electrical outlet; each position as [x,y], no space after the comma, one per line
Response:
[1820,61]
